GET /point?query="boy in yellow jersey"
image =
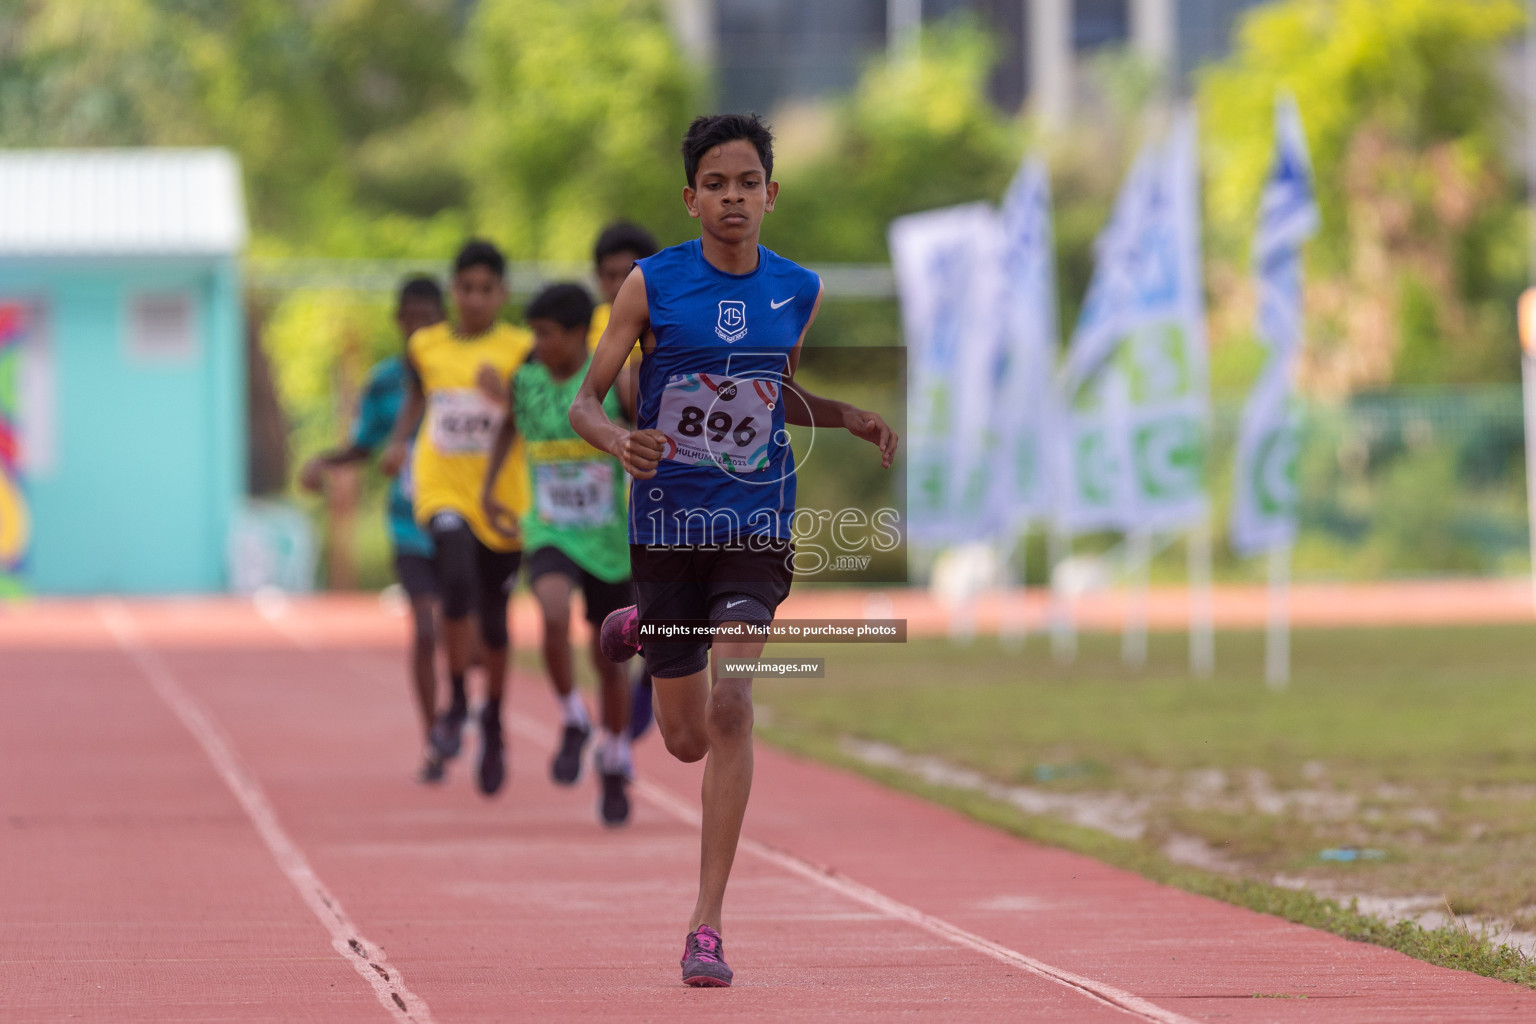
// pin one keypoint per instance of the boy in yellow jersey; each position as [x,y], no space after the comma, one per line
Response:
[476,564]
[613,256]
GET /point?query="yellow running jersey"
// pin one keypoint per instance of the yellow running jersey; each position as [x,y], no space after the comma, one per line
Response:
[448,466]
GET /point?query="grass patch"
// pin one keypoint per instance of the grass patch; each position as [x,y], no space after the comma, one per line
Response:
[1415,742]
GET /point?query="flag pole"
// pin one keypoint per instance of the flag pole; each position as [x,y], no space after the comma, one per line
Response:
[1133,639]
[1277,648]
[1013,615]
[1202,635]
[1527,323]
[1527,309]
[1063,630]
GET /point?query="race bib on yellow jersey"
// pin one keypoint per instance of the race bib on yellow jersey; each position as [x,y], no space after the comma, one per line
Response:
[463,421]
[711,420]
[574,493]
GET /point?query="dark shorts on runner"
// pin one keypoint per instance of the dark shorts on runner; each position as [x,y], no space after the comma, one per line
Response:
[706,582]
[599,595]
[416,574]
[473,576]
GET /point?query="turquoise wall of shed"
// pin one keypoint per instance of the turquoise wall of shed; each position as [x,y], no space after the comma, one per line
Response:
[149,451]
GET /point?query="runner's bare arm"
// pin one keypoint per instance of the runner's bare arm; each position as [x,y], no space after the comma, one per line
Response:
[629,390]
[405,423]
[501,518]
[808,410]
[638,450]
[312,476]
[491,386]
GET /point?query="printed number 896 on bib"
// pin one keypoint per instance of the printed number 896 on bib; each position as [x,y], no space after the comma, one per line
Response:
[721,422]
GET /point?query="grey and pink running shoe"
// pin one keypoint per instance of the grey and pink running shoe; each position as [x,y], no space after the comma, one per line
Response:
[704,960]
[619,638]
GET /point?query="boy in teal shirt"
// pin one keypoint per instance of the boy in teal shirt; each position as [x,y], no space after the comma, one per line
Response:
[575,531]
[420,305]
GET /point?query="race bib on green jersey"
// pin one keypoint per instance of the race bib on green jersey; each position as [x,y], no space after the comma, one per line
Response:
[579,493]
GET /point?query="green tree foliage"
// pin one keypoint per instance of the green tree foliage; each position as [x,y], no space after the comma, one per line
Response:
[576,113]
[298,91]
[917,133]
[1414,274]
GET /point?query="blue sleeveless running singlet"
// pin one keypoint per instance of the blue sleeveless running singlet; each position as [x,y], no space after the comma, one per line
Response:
[713,386]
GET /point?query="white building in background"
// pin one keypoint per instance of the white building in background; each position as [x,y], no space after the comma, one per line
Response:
[766,52]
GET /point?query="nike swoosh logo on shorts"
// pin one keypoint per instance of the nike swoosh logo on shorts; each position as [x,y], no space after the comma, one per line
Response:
[776,305]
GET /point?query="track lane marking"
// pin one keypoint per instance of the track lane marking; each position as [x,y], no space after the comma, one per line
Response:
[365,957]
[684,811]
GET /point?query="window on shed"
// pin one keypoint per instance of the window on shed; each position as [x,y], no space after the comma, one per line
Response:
[161,327]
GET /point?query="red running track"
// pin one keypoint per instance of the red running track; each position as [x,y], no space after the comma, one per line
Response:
[226,830]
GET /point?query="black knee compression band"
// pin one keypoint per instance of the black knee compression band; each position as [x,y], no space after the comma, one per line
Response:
[739,608]
[670,659]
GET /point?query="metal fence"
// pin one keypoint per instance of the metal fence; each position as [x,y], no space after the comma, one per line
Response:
[1404,483]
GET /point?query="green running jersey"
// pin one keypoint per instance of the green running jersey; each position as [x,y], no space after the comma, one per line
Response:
[578,493]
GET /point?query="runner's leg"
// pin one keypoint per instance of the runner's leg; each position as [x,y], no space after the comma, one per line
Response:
[423,657]
[727,779]
[682,714]
[553,592]
[554,576]
[496,572]
[417,575]
[615,690]
[455,558]
[615,764]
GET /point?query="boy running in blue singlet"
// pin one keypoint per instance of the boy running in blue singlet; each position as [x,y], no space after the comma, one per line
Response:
[721,321]
[573,531]
[420,305]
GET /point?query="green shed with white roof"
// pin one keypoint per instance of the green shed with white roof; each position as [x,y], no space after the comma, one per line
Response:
[124,400]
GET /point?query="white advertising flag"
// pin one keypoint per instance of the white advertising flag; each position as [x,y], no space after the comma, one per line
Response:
[1264,503]
[1026,355]
[947,266]
[1133,395]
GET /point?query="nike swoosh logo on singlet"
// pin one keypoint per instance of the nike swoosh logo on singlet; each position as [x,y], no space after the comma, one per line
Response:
[776,305]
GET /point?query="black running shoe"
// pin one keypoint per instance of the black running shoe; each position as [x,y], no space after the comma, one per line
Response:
[448,732]
[432,769]
[492,771]
[565,769]
[614,807]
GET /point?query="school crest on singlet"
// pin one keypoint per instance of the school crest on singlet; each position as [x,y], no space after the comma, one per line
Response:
[731,325]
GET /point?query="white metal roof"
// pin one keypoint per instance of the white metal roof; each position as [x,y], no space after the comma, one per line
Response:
[120,202]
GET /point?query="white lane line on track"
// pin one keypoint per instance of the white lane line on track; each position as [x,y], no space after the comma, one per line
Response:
[688,813]
[365,957]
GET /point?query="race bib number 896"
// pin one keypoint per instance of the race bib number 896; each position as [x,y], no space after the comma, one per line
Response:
[717,421]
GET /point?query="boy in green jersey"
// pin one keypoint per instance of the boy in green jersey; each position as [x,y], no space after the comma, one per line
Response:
[575,531]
